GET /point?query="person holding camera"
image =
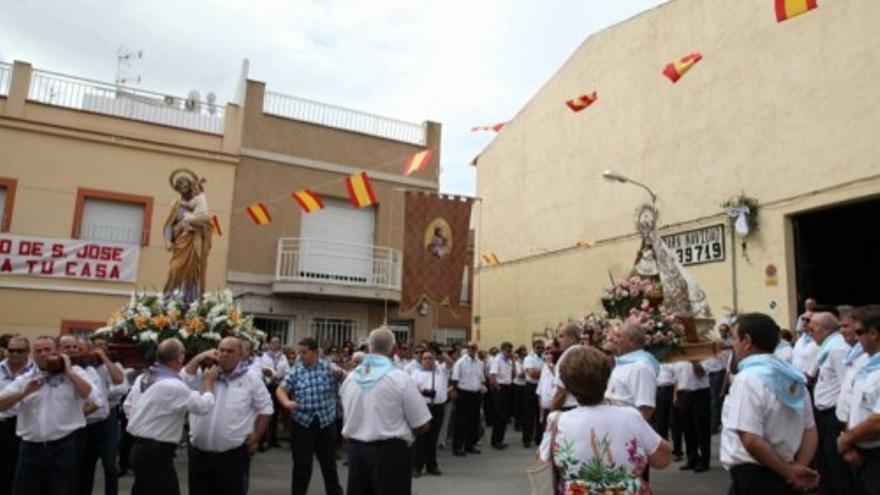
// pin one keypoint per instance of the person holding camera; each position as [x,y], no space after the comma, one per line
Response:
[50,401]
[432,380]
[17,363]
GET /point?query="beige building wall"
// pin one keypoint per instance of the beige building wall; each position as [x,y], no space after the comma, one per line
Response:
[785,112]
[51,152]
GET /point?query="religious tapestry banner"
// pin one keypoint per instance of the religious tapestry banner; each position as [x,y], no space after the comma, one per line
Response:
[435,248]
[81,259]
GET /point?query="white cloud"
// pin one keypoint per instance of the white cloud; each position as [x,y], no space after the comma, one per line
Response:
[461,63]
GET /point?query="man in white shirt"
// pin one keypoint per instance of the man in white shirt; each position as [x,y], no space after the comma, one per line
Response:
[501,376]
[860,443]
[222,440]
[383,408]
[112,376]
[693,396]
[432,381]
[468,377]
[50,402]
[532,366]
[275,368]
[834,474]
[567,336]
[156,408]
[769,435]
[519,387]
[805,353]
[633,381]
[663,411]
[17,363]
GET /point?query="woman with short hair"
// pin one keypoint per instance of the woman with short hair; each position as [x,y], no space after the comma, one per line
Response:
[598,446]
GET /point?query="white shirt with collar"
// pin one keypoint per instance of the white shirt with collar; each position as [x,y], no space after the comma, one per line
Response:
[6,379]
[546,388]
[436,379]
[570,400]
[102,389]
[519,376]
[533,362]
[412,366]
[502,368]
[864,402]
[237,403]
[158,412]
[830,380]
[277,362]
[632,385]
[52,412]
[847,388]
[805,355]
[753,408]
[666,376]
[687,380]
[468,372]
[389,410]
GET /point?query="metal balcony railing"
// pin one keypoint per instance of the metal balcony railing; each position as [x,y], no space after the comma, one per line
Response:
[137,104]
[5,78]
[328,115]
[330,262]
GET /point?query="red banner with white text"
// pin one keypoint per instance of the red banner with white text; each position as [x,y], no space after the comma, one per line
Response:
[81,259]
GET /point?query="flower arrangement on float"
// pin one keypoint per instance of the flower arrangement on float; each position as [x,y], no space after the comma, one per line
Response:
[148,319]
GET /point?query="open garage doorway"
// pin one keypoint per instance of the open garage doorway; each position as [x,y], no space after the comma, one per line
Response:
[837,254]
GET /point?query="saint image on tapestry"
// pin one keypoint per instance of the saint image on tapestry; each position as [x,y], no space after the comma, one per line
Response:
[438,238]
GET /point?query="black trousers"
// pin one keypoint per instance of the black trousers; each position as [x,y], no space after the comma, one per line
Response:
[217,473]
[8,454]
[869,473]
[529,413]
[126,441]
[834,473]
[716,379]
[426,444]
[489,412]
[90,446]
[752,479]
[516,405]
[677,420]
[541,425]
[697,426]
[271,435]
[663,411]
[467,416]
[503,406]
[306,442]
[46,468]
[379,468]
[153,466]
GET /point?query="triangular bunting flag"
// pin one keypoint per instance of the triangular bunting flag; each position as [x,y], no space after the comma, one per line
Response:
[584,244]
[675,70]
[491,259]
[417,162]
[308,200]
[786,9]
[494,127]
[360,191]
[581,102]
[259,214]
[215,222]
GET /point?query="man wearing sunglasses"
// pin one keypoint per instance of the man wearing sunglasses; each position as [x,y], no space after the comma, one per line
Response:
[17,363]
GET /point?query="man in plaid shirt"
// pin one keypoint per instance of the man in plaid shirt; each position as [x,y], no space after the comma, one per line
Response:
[308,392]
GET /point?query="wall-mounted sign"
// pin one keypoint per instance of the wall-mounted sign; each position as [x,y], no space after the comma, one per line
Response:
[770,276]
[693,247]
[80,259]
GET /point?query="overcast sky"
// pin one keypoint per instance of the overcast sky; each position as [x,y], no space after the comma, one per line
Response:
[461,63]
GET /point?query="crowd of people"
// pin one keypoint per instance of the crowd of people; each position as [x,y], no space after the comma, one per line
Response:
[792,417]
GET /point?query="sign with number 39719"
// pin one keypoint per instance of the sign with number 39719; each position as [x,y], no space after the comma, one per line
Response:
[698,246]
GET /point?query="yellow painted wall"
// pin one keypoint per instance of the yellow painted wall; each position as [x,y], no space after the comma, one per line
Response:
[777,110]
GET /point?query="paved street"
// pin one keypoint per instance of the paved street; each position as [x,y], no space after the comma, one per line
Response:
[491,472]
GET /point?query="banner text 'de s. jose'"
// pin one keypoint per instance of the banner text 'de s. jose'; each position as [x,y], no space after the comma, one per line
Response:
[82,259]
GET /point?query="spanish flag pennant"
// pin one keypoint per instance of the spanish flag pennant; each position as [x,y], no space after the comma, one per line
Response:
[491,259]
[581,102]
[417,162]
[360,190]
[259,213]
[676,69]
[584,244]
[786,9]
[308,200]
[494,127]
[215,222]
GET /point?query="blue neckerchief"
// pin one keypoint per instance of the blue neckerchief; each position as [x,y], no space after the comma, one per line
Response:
[871,366]
[833,341]
[371,370]
[640,356]
[240,369]
[157,373]
[854,353]
[787,383]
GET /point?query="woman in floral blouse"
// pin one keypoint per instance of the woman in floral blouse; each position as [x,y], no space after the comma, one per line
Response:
[599,448]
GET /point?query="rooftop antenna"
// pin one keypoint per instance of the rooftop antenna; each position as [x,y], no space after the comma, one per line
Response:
[124,56]
[212,103]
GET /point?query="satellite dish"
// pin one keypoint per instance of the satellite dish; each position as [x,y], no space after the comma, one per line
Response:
[192,101]
[212,100]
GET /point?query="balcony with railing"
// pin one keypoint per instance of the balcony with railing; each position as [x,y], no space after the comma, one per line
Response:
[292,107]
[61,90]
[313,266]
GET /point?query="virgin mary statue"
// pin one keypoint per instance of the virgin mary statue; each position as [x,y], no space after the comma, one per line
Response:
[187,233]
